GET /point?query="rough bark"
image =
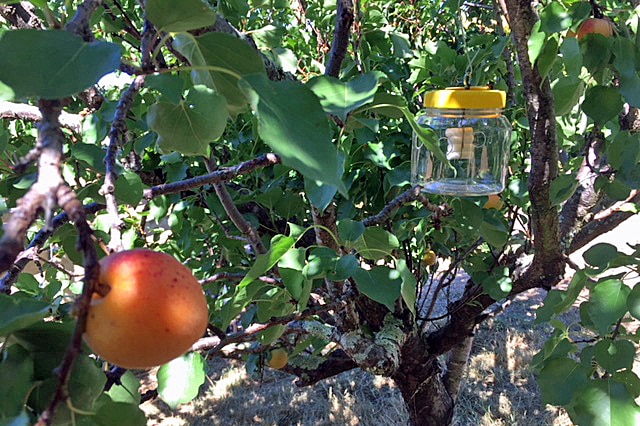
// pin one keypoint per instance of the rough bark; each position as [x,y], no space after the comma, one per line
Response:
[420,380]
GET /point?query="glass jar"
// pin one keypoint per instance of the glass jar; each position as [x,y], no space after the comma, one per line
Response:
[474,137]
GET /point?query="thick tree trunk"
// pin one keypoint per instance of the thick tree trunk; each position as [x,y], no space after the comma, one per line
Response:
[420,380]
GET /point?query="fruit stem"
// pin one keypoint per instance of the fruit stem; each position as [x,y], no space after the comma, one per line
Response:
[597,12]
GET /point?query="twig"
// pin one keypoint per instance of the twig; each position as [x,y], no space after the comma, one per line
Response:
[222,175]
[385,214]
[79,25]
[222,276]
[238,219]
[116,140]
[14,111]
[23,259]
[81,309]
[42,194]
[214,344]
[340,37]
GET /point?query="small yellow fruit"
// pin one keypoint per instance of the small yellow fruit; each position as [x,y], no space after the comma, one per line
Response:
[430,258]
[494,202]
[278,359]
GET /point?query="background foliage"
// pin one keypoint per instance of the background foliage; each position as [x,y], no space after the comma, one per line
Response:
[189,143]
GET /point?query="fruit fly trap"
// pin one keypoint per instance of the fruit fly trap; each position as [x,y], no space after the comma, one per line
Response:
[462,144]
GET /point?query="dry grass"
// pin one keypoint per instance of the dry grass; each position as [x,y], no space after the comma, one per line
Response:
[499,389]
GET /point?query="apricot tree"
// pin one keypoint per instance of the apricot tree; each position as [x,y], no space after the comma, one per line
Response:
[266,146]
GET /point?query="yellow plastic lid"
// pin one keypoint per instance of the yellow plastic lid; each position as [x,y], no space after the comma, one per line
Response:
[465,98]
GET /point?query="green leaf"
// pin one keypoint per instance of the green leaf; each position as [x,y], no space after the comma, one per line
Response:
[559,379]
[615,355]
[567,92]
[180,15]
[574,289]
[280,244]
[240,299]
[607,304]
[228,59]
[47,342]
[293,259]
[600,255]
[596,52]
[53,64]
[119,413]
[169,85]
[91,154]
[350,230]
[275,302]
[321,260]
[381,284]
[562,188]
[292,122]
[179,381]
[625,63]
[630,380]
[344,268]
[554,18]
[192,124]
[536,42]
[633,302]
[16,377]
[17,313]
[498,285]
[493,228]
[571,58]
[339,98]
[6,92]
[604,402]
[545,312]
[292,280]
[548,56]
[86,383]
[129,188]
[409,286]
[320,195]
[127,390]
[554,348]
[623,151]
[602,103]
[376,243]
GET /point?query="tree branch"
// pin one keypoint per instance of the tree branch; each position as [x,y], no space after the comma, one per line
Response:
[21,15]
[43,193]
[79,25]
[215,344]
[222,175]
[336,363]
[23,258]
[385,214]
[341,36]
[544,145]
[116,140]
[14,111]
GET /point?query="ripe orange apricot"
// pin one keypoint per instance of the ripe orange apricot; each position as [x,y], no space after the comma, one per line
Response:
[595,26]
[278,359]
[494,202]
[154,310]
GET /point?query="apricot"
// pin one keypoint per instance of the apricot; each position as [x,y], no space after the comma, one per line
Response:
[278,358]
[153,311]
[595,26]
[494,202]
[430,258]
